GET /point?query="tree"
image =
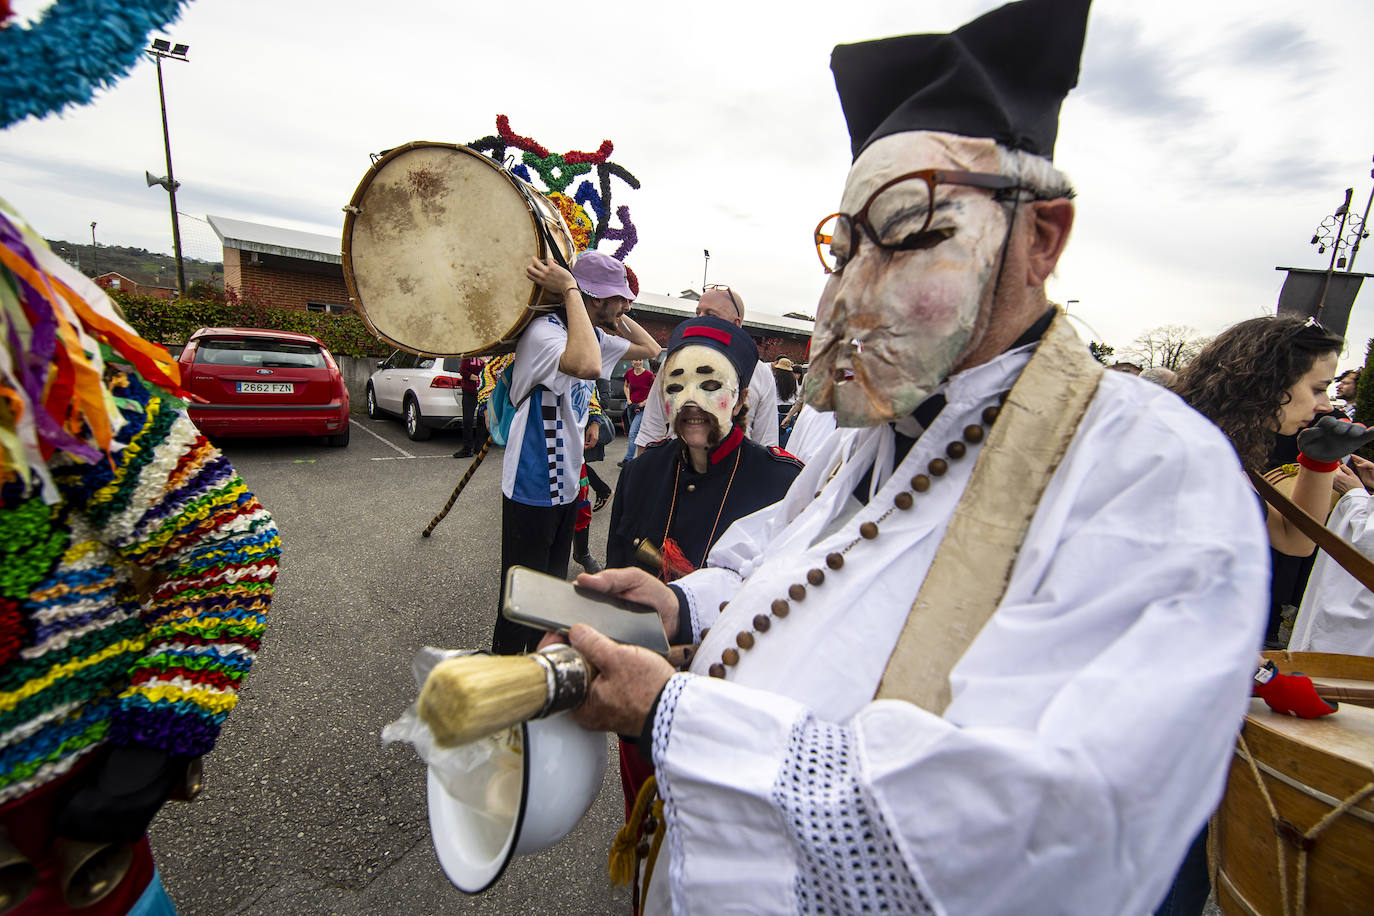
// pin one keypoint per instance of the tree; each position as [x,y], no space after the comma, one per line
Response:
[1101,352]
[1364,397]
[1170,346]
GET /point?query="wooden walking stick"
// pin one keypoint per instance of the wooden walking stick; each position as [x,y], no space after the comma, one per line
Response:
[472,469]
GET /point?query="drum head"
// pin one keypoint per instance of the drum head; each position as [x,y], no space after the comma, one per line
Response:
[435,248]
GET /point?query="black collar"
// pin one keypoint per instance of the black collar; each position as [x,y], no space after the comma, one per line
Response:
[1035,331]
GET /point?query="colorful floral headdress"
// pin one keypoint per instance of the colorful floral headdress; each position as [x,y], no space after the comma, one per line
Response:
[557,171]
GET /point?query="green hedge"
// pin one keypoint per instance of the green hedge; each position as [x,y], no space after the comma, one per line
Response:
[172,323]
[1364,397]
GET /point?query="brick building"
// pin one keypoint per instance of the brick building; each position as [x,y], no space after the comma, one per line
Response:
[285,268]
[140,285]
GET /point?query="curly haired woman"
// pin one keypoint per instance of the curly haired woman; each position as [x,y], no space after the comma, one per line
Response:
[1259,378]
[1266,376]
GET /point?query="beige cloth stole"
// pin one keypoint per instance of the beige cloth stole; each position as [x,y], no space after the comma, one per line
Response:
[973,565]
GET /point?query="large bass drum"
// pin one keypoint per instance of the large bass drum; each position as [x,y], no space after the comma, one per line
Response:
[1294,832]
[435,244]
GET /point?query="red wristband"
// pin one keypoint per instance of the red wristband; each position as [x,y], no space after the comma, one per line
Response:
[1321,467]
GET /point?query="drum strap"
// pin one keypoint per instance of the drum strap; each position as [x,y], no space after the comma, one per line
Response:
[973,564]
[1342,551]
[525,192]
[553,249]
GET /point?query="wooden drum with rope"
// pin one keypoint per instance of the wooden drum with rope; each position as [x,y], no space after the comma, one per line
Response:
[1295,832]
[435,244]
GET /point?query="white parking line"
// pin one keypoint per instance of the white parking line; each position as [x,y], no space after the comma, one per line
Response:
[381,439]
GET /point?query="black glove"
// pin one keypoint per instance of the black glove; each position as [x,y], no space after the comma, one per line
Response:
[121,795]
[1331,439]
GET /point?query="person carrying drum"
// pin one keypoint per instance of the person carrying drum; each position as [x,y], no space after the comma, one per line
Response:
[991,651]
[557,361]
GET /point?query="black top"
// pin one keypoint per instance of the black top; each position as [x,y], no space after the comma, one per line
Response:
[1001,76]
[705,503]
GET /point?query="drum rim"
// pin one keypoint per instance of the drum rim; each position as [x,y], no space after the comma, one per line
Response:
[506,343]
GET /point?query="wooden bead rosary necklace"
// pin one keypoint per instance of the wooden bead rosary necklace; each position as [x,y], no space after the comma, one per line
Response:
[745,640]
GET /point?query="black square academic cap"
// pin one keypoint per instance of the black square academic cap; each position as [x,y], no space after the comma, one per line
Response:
[1001,76]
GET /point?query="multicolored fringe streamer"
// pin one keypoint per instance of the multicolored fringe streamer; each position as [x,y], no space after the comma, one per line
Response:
[55,324]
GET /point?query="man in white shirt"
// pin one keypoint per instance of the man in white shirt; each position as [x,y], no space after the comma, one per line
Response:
[761,396]
[1337,612]
[1089,720]
[557,361]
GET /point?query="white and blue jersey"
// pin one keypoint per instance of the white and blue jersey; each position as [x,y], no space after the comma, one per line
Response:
[543,460]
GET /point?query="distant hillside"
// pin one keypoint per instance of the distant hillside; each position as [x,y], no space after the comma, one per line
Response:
[138,264]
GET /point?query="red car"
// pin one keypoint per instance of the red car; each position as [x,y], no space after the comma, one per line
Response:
[252,382]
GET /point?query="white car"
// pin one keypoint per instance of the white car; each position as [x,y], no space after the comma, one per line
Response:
[422,390]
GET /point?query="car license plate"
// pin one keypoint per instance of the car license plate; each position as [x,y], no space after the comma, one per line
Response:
[265,388]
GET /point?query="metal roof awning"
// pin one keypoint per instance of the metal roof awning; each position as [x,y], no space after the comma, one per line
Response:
[288,243]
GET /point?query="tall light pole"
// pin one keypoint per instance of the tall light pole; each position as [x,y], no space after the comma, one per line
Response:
[95,255]
[162,48]
[705,264]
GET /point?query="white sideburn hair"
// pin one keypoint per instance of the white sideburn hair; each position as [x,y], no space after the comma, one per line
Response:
[1034,172]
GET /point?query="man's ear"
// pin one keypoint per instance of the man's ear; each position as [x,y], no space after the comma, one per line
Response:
[1051,221]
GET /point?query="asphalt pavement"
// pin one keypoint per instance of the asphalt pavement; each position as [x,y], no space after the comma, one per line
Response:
[304,811]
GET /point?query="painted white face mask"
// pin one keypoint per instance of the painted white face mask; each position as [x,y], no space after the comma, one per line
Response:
[703,377]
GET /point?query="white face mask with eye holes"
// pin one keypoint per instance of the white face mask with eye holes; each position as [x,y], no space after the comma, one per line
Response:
[704,377]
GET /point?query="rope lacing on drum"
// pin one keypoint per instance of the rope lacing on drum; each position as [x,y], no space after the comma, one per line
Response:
[1287,832]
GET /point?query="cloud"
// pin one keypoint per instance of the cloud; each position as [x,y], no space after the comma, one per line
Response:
[124,187]
[1135,79]
[1195,103]
[1279,44]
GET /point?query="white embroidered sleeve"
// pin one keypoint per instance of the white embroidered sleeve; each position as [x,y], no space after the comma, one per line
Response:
[705,591]
[847,858]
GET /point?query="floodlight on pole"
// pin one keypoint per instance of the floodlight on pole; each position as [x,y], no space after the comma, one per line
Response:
[162,48]
[705,264]
[95,254]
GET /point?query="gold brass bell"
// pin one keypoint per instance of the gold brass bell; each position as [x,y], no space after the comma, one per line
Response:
[90,871]
[192,781]
[648,556]
[18,876]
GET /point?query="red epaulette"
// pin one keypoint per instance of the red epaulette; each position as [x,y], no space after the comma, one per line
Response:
[784,455]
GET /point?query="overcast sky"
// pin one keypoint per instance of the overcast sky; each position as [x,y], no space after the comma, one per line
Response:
[1207,138]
